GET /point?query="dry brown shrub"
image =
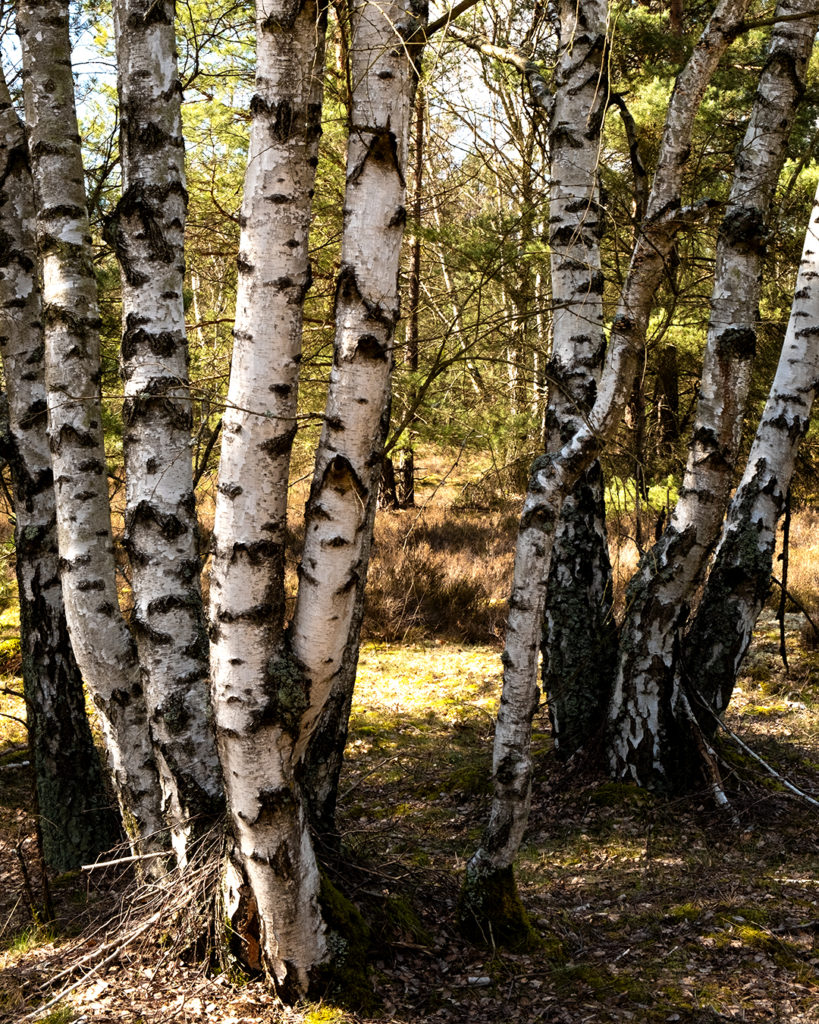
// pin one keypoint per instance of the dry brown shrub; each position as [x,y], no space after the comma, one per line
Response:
[440,572]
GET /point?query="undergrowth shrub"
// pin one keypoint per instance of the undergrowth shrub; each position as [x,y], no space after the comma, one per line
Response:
[441,573]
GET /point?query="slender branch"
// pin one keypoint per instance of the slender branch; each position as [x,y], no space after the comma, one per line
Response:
[36,1014]
[508,55]
[14,718]
[120,860]
[203,462]
[453,13]
[798,603]
[775,19]
[748,750]
[641,185]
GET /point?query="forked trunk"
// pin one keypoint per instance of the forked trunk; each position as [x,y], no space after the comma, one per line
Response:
[647,742]
[259,692]
[148,229]
[553,477]
[102,644]
[76,822]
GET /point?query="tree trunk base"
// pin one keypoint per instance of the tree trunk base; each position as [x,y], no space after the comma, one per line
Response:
[490,912]
[346,977]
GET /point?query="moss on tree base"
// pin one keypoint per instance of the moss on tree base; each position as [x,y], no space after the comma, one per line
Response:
[345,978]
[490,912]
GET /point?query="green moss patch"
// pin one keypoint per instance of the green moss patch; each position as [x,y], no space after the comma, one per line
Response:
[490,912]
[345,978]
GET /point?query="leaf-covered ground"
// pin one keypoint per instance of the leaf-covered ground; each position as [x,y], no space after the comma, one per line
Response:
[648,911]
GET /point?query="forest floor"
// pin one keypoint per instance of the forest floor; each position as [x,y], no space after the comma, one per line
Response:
[649,911]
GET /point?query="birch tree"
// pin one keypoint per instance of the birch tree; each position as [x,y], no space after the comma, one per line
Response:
[258,693]
[489,882]
[75,821]
[102,644]
[739,580]
[385,54]
[649,742]
[148,228]
[271,688]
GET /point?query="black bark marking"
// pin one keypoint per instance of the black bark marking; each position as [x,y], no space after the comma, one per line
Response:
[275,447]
[382,148]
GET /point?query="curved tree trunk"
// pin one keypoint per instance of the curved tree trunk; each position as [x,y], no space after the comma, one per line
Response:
[102,644]
[579,634]
[647,742]
[76,821]
[258,691]
[739,581]
[148,230]
[553,476]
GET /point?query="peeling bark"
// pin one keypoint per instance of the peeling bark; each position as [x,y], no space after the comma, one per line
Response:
[147,230]
[76,821]
[102,644]
[646,743]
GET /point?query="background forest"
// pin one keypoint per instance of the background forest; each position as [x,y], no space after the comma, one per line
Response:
[642,906]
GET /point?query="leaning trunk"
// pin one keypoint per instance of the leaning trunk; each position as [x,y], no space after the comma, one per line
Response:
[76,821]
[101,641]
[341,509]
[739,581]
[648,742]
[148,229]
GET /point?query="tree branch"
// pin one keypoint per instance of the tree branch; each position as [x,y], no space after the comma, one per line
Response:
[453,13]
[508,55]
[775,19]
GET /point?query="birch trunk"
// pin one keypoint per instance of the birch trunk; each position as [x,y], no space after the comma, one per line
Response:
[739,581]
[340,512]
[258,690]
[76,823]
[406,487]
[101,641]
[554,475]
[148,230]
[647,743]
[579,635]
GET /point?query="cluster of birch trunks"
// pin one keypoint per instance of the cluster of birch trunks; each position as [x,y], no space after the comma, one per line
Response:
[245,714]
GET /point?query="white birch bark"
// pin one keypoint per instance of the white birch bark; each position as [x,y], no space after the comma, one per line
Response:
[578,635]
[75,822]
[385,52]
[644,742]
[148,229]
[101,641]
[258,691]
[553,476]
[739,580]
[341,506]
